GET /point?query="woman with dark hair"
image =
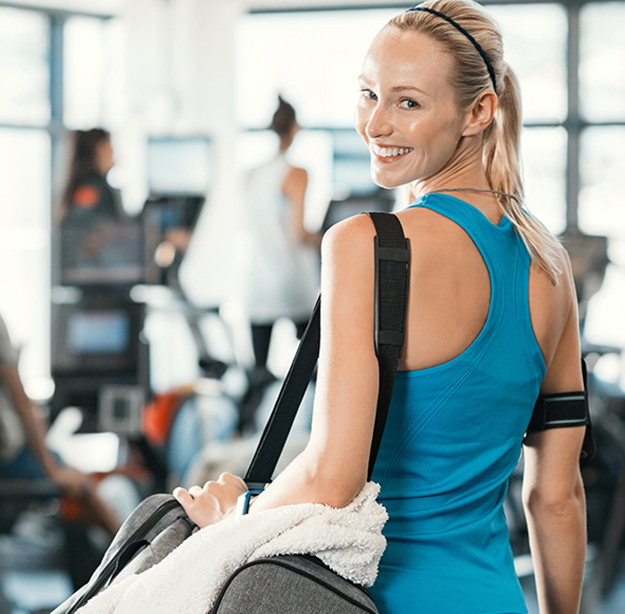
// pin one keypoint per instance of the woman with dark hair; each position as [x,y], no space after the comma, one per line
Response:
[87,193]
[491,324]
[280,278]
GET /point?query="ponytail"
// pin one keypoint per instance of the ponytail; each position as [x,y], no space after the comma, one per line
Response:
[502,163]
[502,139]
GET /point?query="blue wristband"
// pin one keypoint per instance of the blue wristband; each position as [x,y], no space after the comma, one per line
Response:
[244,500]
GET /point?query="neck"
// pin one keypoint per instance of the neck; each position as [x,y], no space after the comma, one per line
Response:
[464,170]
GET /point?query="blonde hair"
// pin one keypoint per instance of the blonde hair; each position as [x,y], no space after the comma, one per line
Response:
[502,139]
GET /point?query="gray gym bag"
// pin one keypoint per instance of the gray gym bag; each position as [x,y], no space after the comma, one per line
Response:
[292,584]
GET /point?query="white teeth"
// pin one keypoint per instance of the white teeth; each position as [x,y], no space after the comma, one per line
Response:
[387,152]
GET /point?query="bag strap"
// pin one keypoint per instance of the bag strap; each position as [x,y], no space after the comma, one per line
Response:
[287,404]
[391,297]
[392,261]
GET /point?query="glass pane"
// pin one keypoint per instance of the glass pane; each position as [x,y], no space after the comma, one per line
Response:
[94,73]
[602,66]
[544,164]
[25,246]
[312,59]
[535,47]
[24,67]
[308,58]
[602,181]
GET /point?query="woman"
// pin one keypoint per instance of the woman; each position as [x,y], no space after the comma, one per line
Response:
[491,322]
[88,195]
[280,279]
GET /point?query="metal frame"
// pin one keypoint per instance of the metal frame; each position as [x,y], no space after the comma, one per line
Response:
[56,22]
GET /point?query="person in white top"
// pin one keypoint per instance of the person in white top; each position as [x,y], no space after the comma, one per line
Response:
[281,270]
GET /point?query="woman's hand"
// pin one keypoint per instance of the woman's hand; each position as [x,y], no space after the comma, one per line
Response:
[212,502]
[71,481]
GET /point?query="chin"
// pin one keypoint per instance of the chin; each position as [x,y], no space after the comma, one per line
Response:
[382,180]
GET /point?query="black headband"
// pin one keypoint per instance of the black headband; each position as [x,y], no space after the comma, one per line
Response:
[489,66]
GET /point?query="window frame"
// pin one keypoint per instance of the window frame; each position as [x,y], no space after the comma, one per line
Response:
[574,123]
[55,127]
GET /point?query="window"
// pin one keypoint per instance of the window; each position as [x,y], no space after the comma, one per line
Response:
[601,136]
[30,115]
[312,58]
[535,47]
[24,67]
[25,246]
[544,166]
[94,75]
[602,64]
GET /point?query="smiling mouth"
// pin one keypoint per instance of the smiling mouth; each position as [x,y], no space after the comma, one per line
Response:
[390,154]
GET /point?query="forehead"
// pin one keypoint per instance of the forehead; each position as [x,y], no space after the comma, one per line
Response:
[407,57]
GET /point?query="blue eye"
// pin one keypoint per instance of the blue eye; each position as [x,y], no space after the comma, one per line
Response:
[408,103]
[369,94]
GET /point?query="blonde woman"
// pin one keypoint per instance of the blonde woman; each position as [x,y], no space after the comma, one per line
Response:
[491,323]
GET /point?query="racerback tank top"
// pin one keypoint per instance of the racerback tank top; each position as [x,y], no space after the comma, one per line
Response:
[452,439]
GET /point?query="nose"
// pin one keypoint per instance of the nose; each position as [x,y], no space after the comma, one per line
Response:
[379,123]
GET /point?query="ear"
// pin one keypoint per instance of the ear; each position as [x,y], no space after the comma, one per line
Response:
[481,114]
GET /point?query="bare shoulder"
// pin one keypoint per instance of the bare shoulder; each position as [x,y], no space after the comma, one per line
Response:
[351,238]
[295,183]
[553,309]
[557,299]
[296,175]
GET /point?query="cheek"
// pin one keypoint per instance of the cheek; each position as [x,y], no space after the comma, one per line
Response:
[435,141]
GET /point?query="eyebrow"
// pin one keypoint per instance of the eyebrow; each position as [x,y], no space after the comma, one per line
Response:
[399,88]
[396,88]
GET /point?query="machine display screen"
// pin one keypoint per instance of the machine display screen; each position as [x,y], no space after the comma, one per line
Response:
[98,332]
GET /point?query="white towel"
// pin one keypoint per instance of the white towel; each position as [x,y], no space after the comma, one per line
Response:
[349,540]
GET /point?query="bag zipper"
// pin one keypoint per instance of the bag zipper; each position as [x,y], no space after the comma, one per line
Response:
[149,523]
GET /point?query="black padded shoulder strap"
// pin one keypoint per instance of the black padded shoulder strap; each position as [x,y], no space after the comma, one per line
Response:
[392,260]
[391,296]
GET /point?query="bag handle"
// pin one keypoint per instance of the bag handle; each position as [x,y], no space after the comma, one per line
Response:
[392,256]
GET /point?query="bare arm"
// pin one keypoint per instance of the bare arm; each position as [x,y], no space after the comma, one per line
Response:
[552,489]
[70,480]
[30,416]
[294,188]
[333,467]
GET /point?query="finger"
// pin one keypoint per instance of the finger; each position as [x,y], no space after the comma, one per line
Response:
[229,478]
[195,491]
[183,497]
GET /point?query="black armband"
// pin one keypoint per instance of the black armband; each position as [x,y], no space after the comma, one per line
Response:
[553,411]
[565,409]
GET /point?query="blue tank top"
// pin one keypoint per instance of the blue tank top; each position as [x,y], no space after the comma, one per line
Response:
[453,437]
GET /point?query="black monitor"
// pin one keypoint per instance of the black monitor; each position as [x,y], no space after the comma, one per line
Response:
[339,210]
[106,252]
[91,338]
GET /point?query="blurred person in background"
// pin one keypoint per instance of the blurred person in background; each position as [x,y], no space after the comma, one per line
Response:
[90,211]
[281,270]
[87,194]
[23,450]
